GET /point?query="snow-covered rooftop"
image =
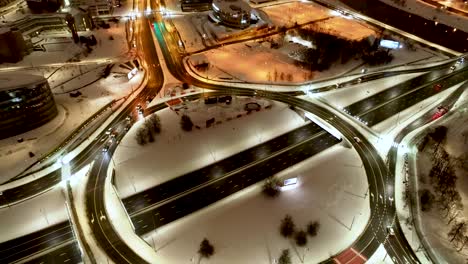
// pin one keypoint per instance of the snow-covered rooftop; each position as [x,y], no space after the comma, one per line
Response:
[231,7]
[17,80]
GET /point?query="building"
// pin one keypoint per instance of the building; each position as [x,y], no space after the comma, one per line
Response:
[26,102]
[12,45]
[232,13]
[40,6]
[96,7]
[5,2]
[195,5]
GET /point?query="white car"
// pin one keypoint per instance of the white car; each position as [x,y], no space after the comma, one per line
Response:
[390,231]
[357,139]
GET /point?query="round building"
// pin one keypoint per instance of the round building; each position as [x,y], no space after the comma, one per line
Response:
[26,102]
[233,13]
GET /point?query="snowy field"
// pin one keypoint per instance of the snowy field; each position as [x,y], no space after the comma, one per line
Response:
[176,152]
[244,228]
[434,225]
[257,62]
[260,64]
[32,215]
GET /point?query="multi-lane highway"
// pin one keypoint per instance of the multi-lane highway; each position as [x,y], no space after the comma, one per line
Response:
[379,179]
[41,241]
[427,29]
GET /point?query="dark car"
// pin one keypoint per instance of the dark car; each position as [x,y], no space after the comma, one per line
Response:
[211,100]
[225,99]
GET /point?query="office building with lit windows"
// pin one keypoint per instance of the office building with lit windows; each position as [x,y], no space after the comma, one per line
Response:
[26,102]
[232,13]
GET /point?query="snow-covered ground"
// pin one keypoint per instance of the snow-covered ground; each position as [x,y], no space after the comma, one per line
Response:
[380,257]
[260,64]
[64,78]
[176,152]
[435,230]
[32,215]
[434,226]
[244,228]
[60,47]
[72,112]
[272,65]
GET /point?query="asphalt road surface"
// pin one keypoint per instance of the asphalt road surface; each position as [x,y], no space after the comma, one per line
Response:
[25,246]
[192,179]
[416,25]
[368,242]
[224,185]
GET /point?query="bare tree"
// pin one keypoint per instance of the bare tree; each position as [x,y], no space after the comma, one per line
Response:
[154,123]
[186,123]
[148,131]
[449,199]
[301,238]
[287,227]
[140,136]
[464,240]
[271,187]
[457,231]
[285,257]
[206,249]
[426,199]
[312,228]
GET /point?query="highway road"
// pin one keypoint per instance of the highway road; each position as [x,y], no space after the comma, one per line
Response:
[103,231]
[192,179]
[381,216]
[416,25]
[369,244]
[155,207]
[382,210]
[393,151]
[23,247]
[400,96]
[34,187]
[222,185]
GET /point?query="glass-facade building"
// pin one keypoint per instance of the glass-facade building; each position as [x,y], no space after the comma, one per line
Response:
[26,102]
[232,13]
